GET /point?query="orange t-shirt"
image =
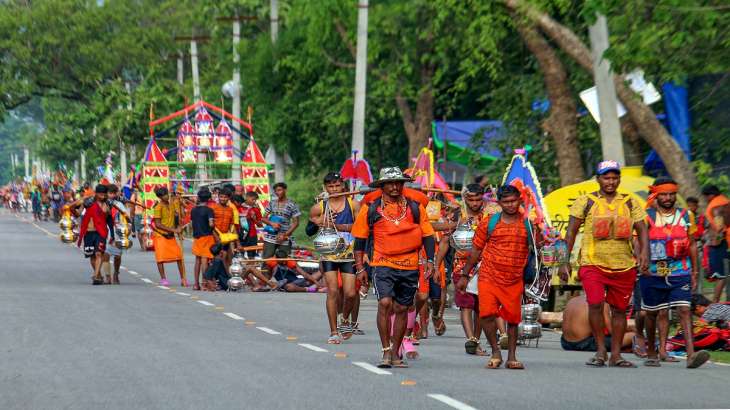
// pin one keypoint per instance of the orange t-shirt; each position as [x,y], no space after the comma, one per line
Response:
[504,252]
[404,231]
[223,217]
[718,201]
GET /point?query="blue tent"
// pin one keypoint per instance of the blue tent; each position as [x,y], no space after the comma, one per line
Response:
[464,142]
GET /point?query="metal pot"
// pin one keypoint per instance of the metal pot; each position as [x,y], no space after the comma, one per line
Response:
[122,230]
[531,312]
[529,330]
[235,283]
[122,242]
[237,259]
[462,237]
[68,236]
[66,224]
[236,269]
[329,242]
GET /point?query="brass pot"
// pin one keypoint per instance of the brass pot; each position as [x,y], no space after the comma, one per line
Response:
[68,236]
[235,283]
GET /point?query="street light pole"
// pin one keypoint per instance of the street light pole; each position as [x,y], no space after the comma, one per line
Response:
[612,146]
[358,118]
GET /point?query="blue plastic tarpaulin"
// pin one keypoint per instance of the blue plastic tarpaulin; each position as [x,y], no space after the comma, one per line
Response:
[678,121]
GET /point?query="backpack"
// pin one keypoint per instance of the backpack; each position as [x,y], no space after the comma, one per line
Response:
[533,263]
[668,242]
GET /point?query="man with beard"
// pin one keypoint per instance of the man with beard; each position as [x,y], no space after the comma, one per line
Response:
[672,274]
[397,227]
[607,263]
[341,216]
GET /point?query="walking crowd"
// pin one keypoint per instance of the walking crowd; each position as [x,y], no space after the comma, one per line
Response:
[394,240]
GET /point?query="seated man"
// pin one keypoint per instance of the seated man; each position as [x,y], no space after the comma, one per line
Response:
[717,314]
[216,274]
[292,278]
[577,330]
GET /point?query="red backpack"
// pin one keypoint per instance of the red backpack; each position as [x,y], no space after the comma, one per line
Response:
[668,241]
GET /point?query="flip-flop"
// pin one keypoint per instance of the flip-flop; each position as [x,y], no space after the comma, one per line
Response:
[334,340]
[471,347]
[399,364]
[623,363]
[494,363]
[653,362]
[514,365]
[639,351]
[669,359]
[596,361]
[439,326]
[698,359]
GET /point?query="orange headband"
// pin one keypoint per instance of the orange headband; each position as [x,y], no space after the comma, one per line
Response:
[660,189]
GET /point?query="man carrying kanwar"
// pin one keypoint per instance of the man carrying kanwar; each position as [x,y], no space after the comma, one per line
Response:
[607,262]
[166,226]
[672,274]
[94,229]
[112,250]
[339,213]
[718,237]
[502,243]
[397,227]
[468,304]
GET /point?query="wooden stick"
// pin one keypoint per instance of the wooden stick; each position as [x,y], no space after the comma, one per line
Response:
[443,191]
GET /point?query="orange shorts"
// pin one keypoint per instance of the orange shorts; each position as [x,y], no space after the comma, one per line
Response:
[424,286]
[502,301]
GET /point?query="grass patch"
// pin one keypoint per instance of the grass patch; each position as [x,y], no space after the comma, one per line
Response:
[721,357]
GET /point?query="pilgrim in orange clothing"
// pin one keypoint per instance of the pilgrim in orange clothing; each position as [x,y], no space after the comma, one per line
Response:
[501,244]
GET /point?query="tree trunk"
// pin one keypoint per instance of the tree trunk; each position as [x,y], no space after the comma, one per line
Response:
[418,127]
[641,114]
[562,124]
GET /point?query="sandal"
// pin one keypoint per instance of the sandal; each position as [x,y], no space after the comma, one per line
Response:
[494,363]
[196,287]
[334,340]
[439,325]
[385,362]
[471,346]
[639,351]
[623,363]
[698,359]
[596,361]
[514,365]
[652,362]
[503,341]
[480,351]
[399,364]
[669,359]
[346,329]
[408,348]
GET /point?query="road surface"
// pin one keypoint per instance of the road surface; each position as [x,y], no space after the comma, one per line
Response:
[68,345]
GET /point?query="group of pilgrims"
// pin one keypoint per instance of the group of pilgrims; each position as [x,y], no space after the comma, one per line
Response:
[391,240]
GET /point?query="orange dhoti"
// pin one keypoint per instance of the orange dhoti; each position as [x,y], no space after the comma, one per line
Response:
[201,246]
[166,250]
[500,300]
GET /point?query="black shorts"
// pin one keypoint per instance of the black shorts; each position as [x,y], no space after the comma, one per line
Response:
[401,285]
[586,345]
[342,267]
[93,243]
[717,256]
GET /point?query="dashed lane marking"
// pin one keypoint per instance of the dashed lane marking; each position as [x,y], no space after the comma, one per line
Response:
[163,287]
[145,280]
[233,316]
[313,347]
[131,272]
[372,369]
[267,330]
[205,302]
[183,294]
[451,402]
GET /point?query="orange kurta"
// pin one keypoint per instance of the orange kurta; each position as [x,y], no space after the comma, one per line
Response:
[503,259]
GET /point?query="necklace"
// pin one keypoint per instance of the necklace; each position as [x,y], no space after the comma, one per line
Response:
[396,221]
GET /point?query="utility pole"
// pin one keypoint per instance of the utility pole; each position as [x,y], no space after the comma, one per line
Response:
[612,146]
[236,97]
[180,68]
[202,174]
[279,160]
[26,162]
[76,171]
[358,117]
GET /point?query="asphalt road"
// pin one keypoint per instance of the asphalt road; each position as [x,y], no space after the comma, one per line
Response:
[65,344]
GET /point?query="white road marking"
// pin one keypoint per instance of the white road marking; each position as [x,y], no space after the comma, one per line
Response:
[369,367]
[451,402]
[123,267]
[206,303]
[131,272]
[145,280]
[233,316]
[183,294]
[312,347]
[163,287]
[269,331]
